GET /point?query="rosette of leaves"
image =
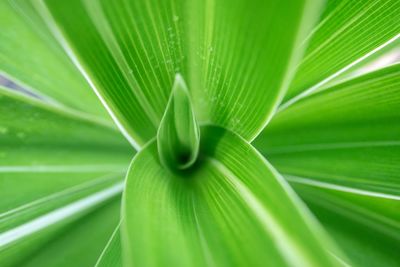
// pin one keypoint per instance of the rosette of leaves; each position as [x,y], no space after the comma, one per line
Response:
[240,133]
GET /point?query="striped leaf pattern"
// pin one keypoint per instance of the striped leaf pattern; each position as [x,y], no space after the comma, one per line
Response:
[134,49]
[56,166]
[349,33]
[234,107]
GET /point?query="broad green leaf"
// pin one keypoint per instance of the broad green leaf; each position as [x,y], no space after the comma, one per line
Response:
[24,239]
[341,147]
[55,166]
[112,253]
[80,243]
[365,226]
[172,134]
[348,33]
[30,56]
[234,56]
[178,137]
[39,137]
[376,211]
[348,135]
[21,204]
[231,209]
[386,56]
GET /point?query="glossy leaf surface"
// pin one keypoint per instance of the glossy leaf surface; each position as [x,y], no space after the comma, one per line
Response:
[348,33]
[204,215]
[64,158]
[178,137]
[365,226]
[132,50]
[340,150]
[81,241]
[347,135]
[30,56]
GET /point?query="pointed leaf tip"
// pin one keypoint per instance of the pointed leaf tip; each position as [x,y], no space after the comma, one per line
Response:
[178,136]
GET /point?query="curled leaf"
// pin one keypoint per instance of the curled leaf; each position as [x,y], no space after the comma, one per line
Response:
[178,136]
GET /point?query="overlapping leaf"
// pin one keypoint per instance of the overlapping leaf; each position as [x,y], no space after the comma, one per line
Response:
[132,50]
[31,56]
[348,135]
[343,144]
[112,253]
[386,56]
[348,33]
[206,215]
[55,166]
[365,226]
[81,242]
[339,149]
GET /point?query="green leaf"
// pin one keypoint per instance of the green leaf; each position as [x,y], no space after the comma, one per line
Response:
[30,56]
[111,255]
[348,33]
[35,135]
[55,166]
[132,50]
[386,56]
[178,137]
[25,238]
[231,209]
[341,147]
[81,242]
[365,226]
[347,135]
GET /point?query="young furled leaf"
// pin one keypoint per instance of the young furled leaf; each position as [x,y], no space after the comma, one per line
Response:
[194,199]
[178,137]
[230,209]
[130,51]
